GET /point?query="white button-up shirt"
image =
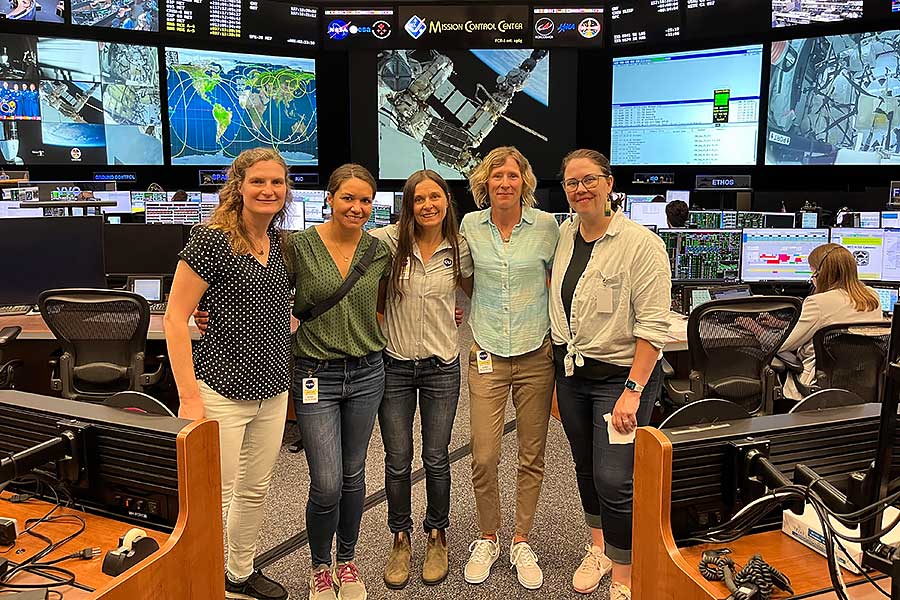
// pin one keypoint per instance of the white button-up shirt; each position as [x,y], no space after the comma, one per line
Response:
[631,262]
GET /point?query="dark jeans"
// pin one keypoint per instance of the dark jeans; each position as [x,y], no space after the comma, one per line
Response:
[605,472]
[437,385]
[336,432]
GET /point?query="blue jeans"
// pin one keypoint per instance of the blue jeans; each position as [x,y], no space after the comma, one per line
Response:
[437,385]
[336,432]
[604,471]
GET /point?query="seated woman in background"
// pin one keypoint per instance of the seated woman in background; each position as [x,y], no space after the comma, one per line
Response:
[839,297]
[677,214]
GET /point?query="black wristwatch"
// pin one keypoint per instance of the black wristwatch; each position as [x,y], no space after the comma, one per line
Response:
[634,386]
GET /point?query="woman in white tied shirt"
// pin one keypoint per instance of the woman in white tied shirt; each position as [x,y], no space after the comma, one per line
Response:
[609,304]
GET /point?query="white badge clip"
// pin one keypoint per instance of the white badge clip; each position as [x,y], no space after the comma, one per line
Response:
[485,365]
[604,300]
[310,390]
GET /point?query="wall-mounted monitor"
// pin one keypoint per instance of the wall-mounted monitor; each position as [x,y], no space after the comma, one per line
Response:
[444,110]
[46,11]
[638,21]
[79,102]
[575,26]
[136,15]
[687,108]
[221,104]
[359,27]
[721,18]
[866,246]
[816,118]
[483,25]
[790,13]
[779,254]
[257,21]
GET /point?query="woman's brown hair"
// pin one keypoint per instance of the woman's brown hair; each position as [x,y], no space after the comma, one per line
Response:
[407,227]
[835,269]
[349,171]
[228,215]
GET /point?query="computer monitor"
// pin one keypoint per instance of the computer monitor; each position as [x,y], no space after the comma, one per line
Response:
[121,198]
[130,463]
[650,213]
[183,196]
[151,288]
[683,195]
[632,199]
[294,217]
[887,296]
[866,246]
[867,220]
[706,219]
[890,219]
[143,249]
[703,254]
[38,254]
[809,220]
[751,219]
[139,200]
[695,295]
[779,254]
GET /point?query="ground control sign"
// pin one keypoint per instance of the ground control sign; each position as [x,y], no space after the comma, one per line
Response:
[464,26]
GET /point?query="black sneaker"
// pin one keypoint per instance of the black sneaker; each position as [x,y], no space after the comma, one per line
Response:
[256,587]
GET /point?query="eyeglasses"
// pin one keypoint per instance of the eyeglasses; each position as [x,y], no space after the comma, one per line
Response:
[588,181]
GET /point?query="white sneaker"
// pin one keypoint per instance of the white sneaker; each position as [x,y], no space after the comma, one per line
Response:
[524,561]
[594,566]
[618,591]
[484,554]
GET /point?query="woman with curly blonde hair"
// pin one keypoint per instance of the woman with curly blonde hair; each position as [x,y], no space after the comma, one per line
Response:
[239,374]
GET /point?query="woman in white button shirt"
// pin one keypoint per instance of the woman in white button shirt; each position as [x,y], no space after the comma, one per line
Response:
[431,260]
[609,303]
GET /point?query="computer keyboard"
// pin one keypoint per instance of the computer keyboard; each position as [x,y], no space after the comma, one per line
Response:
[15,309]
[158,308]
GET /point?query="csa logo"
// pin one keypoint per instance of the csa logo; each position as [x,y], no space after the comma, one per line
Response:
[338,30]
[309,384]
[589,28]
[415,27]
[543,28]
[448,262]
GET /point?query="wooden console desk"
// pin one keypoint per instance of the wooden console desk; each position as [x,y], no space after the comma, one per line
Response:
[662,571]
[190,562]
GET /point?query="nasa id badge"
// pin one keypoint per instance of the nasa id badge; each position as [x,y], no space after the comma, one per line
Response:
[310,390]
[485,365]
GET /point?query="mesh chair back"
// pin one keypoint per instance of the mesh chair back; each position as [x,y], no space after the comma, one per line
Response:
[104,332]
[852,356]
[830,398]
[732,342]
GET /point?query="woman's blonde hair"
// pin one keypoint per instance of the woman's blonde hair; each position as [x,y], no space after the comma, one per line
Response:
[478,180]
[835,269]
[228,216]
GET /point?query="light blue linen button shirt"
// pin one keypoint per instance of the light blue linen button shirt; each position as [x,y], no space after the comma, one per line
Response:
[510,315]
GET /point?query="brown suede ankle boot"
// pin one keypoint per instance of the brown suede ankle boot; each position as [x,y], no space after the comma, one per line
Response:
[396,571]
[434,570]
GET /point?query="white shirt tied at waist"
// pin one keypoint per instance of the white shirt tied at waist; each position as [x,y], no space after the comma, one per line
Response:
[628,263]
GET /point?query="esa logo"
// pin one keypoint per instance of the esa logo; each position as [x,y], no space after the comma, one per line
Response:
[543,28]
[415,27]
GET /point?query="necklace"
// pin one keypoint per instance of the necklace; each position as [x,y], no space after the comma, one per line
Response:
[341,252]
[262,246]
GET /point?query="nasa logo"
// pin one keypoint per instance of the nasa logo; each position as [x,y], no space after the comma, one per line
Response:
[309,384]
[482,355]
[338,30]
[589,28]
[448,262]
[544,27]
[75,153]
[381,30]
[564,27]
[415,27]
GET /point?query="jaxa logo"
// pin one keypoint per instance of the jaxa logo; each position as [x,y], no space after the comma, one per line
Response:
[415,27]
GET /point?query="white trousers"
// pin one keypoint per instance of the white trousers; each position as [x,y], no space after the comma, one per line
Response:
[250,434]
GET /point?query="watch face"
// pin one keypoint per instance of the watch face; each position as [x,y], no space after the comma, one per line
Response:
[630,384]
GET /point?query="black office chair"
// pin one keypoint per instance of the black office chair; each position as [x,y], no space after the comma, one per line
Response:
[849,356]
[102,334]
[830,398]
[8,368]
[731,344]
[138,402]
[704,412]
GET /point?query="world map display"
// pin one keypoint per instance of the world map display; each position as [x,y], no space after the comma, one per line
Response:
[221,104]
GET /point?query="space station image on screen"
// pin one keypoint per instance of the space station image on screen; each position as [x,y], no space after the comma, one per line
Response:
[139,15]
[66,101]
[833,100]
[221,104]
[444,110]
